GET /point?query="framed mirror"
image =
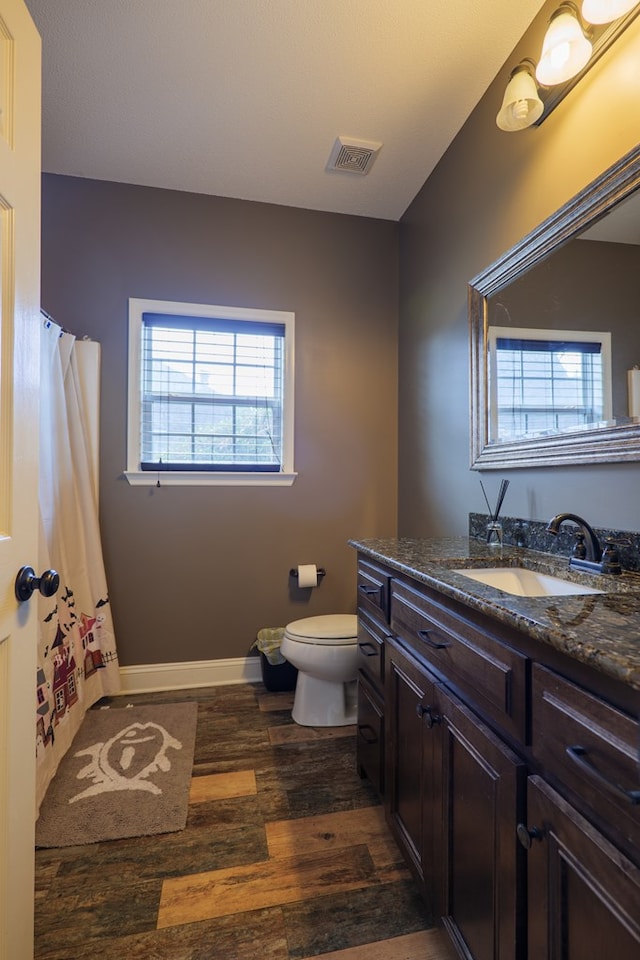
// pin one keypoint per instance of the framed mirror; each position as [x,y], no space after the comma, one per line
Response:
[555,335]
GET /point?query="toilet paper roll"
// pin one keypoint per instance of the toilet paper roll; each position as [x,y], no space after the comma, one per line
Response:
[633,380]
[307,575]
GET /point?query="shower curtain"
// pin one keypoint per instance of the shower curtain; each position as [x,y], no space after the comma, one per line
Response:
[77,658]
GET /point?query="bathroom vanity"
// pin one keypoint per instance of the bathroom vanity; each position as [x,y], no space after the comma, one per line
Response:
[504,734]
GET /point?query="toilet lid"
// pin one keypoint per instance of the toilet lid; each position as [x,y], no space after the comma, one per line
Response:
[333,628]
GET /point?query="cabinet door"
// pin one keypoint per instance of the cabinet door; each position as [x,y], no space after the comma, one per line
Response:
[584,895]
[409,697]
[481,785]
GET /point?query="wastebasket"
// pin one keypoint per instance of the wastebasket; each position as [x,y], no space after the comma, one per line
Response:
[278,675]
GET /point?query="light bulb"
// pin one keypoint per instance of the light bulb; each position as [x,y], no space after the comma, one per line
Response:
[520,110]
[559,56]
[604,11]
[565,50]
[521,105]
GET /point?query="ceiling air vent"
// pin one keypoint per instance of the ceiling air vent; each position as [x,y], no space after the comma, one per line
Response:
[353,156]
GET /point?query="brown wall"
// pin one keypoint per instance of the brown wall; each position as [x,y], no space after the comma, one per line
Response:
[489,190]
[194,572]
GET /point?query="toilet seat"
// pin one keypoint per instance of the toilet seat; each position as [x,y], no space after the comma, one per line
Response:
[335,629]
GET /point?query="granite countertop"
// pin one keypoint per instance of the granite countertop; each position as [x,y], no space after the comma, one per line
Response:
[601,630]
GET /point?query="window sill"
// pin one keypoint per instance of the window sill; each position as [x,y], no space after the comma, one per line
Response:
[171,478]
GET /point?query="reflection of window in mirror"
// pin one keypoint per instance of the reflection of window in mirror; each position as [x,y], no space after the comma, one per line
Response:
[547,381]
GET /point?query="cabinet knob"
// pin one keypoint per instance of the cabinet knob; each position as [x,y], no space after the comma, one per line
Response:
[426,713]
[526,835]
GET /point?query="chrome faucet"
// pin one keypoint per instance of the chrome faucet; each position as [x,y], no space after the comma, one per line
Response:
[587,553]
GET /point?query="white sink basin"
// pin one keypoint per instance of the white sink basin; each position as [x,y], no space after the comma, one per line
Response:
[525,583]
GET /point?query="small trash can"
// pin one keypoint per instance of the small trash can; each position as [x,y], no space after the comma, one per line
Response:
[278,675]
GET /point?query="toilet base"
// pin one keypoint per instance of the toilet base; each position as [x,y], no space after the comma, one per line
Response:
[324,703]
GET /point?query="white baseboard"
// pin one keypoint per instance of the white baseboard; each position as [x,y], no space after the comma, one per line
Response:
[152,677]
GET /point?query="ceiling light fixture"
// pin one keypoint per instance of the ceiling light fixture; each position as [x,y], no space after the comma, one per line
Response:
[521,105]
[565,49]
[604,11]
[572,44]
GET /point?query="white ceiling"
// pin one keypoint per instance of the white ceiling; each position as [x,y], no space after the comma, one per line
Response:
[621,225]
[245,98]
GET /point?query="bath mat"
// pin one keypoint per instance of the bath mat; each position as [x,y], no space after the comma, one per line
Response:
[126,774]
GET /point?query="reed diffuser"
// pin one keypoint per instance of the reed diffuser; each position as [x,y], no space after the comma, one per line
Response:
[494,526]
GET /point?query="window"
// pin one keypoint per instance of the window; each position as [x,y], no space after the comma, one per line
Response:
[210,394]
[547,381]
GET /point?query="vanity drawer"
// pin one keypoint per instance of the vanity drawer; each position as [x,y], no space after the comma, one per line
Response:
[592,748]
[371,637]
[491,674]
[370,736]
[373,589]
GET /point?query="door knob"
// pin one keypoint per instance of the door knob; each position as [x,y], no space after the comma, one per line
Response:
[27,582]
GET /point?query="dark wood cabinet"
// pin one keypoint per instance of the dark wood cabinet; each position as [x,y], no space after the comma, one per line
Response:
[454,797]
[374,590]
[409,789]
[373,630]
[371,638]
[511,777]
[592,750]
[584,895]
[370,750]
[491,673]
[478,802]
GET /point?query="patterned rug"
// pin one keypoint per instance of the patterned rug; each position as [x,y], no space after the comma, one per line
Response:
[126,774]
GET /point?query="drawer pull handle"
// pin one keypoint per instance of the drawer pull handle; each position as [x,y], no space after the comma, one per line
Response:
[369,591]
[366,647]
[434,644]
[579,755]
[426,713]
[367,733]
[527,835]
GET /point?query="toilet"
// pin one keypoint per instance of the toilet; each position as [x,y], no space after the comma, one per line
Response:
[324,649]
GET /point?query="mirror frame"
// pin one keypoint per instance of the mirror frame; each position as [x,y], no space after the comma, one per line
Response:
[607,444]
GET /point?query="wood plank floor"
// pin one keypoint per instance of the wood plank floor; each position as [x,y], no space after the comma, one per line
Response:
[285,856]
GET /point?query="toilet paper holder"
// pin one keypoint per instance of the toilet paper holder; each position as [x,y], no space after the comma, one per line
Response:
[321,573]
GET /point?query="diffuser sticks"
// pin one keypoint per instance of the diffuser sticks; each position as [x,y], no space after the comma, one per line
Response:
[494,527]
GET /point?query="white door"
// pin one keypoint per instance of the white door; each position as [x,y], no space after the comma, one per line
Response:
[19,338]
